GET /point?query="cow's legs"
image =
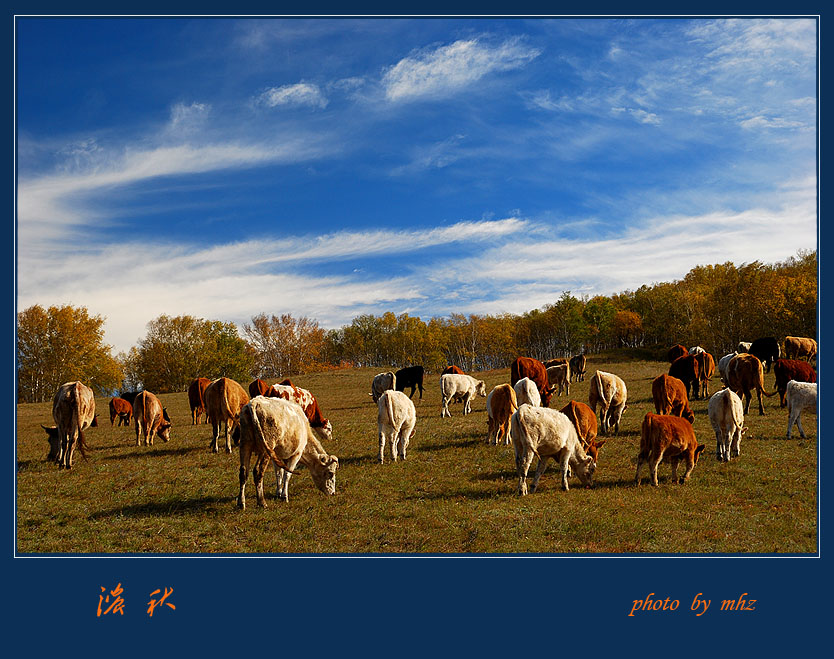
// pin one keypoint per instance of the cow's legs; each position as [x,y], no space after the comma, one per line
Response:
[637,473]
[735,444]
[284,480]
[690,465]
[215,435]
[799,424]
[674,462]
[467,404]
[759,396]
[243,475]
[228,436]
[383,440]
[540,470]
[394,438]
[564,460]
[522,467]
[258,474]
[654,463]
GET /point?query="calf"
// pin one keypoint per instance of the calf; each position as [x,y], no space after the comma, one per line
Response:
[800,396]
[119,407]
[150,418]
[786,370]
[726,415]
[411,376]
[382,382]
[577,367]
[548,434]
[669,396]
[609,392]
[463,385]
[527,392]
[74,410]
[501,403]
[395,423]
[196,393]
[276,430]
[667,438]
[559,376]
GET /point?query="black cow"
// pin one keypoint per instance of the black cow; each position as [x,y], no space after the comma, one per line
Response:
[410,376]
[129,396]
[767,350]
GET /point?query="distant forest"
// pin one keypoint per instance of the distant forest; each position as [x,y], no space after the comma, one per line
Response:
[713,306]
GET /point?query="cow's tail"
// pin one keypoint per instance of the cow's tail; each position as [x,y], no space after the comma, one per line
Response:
[261,442]
[761,388]
[390,405]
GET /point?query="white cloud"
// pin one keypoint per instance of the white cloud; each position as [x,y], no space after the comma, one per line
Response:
[301,93]
[447,69]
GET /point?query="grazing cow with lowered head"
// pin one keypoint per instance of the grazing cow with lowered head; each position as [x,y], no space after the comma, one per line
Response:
[667,439]
[609,392]
[797,348]
[767,350]
[669,396]
[687,370]
[527,367]
[74,410]
[382,382]
[585,421]
[786,370]
[539,431]
[723,363]
[149,419]
[706,369]
[726,415]
[800,396]
[322,427]
[463,385]
[559,377]
[196,401]
[676,351]
[743,346]
[277,431]
[527,392]
[501,403]
[577,367]
[410,376]
[395,423]
[257,388]
[119,407]
[745,375]
[224,399]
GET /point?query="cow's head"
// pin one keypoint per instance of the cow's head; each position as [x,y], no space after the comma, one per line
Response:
[54,443]
[585,469]
[480,388]
[164,431]
[323,471]
[324,432]
[593,448]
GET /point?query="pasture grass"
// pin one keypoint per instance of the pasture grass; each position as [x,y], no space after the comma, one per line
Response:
[454,493]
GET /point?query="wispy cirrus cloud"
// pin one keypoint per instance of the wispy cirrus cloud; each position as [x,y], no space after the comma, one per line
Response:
[301,93]
[446,69]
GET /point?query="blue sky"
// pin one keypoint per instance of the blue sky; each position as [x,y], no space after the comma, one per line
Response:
[333,167]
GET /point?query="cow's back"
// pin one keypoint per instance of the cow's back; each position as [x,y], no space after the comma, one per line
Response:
[73,405]
[224,399]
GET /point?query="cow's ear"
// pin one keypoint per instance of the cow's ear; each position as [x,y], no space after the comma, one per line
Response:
[324,459]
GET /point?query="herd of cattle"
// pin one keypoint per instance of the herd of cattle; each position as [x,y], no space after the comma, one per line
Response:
[283,425]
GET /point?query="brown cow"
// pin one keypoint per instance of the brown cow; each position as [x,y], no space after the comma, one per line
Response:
[797,347]
[687,370]
[669,396]
[119,407]
[558,361]
[676,351]
[577,367]
[706,369]
[585,422]
[668,439]
[786,370]
[149,418]
[500,403]
[527,367]
[308,403]
[745,374]
[224,399]
[258,388]
[452,369]
[196,400]
[74,410]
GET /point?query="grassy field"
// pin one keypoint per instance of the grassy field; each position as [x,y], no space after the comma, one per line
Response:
[454,494]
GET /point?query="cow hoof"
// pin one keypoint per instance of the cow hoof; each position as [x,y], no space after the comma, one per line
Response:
[228,450]
[214,450]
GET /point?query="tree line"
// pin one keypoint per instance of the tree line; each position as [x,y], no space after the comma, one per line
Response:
[713,306]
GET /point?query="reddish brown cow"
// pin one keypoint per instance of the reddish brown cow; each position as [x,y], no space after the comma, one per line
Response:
[258,388]
[119,407]
[150,418]
[585,421]
[706,369]
[668,439]
[669,395]
[745,374]
[676,351]
[786,370]
[687,370]
[196,401]
[452,369]
[527,367]
[224,399]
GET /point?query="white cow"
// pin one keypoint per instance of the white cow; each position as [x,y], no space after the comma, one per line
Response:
[726,414]
[559,376]
[548,434]
[694,350]
[609,392]
[526,391]
[743,346]
[465,386]
[723,363]
[800,396]
[276,429]
[395,422]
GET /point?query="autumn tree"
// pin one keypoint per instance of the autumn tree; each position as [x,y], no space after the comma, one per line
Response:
[628,328]
[178,349]
[62,344]
[284,345]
